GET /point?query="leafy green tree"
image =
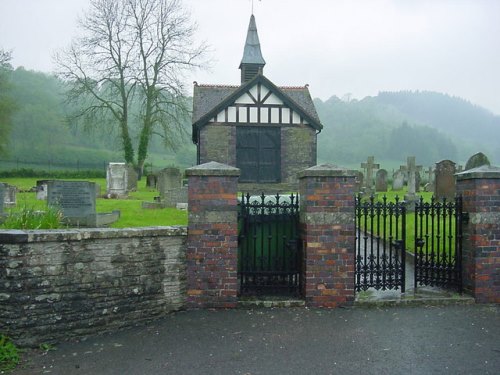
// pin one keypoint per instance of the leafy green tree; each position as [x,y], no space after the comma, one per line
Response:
[7,106]
[128,64]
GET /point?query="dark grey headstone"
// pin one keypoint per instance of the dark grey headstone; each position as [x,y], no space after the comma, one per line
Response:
[2,192]
[75,199]
[381,180]
[444,179]
[131,178]
[169,179]
[477,160]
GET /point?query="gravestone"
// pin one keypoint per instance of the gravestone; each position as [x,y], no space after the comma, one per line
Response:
[41,189]
[116,180]
[76,200]
[381,180]
[398,180]
[2,192]
[369,167]
[445,180]
[358,182]
[169,179]
[131,178]
[9,195]
[477,160]
[412,169]
[151,180]
[429,186]
[418,181]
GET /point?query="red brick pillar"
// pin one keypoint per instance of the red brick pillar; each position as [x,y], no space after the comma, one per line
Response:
[480,189]
[212,243]
[327,225]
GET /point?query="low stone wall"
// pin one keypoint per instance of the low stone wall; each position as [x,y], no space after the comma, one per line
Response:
[62,283]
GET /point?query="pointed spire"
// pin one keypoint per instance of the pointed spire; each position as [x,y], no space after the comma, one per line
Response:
[252,61]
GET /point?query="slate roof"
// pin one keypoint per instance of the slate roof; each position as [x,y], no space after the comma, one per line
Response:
[208,100]
[252,53]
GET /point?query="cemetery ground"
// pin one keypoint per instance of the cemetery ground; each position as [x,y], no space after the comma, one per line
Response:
[451,339]
[131,212]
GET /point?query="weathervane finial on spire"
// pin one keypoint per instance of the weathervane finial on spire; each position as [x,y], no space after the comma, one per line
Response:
[252,4]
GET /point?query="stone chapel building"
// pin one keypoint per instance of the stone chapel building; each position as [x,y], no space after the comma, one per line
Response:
[269,132]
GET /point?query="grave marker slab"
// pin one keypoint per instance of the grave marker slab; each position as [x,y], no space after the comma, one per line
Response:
[75,199]
[369,167]
[2,193]
[132,178]
[398,180]
[169,179]
[116,179]
[381,180]
[412,169]
[477,160]
[445,180]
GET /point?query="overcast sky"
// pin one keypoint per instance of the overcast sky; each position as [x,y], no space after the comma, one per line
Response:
[337,47]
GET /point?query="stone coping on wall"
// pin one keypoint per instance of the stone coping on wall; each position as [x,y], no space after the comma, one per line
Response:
[484,171]
[213,168]
[327,170]
[22,236]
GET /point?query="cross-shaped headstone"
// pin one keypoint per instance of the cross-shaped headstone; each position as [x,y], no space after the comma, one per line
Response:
[369,167]
[411,168]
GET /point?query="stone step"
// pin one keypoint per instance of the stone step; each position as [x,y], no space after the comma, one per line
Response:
[265,301]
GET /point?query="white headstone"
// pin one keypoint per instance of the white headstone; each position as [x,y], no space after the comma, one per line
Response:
[116,179]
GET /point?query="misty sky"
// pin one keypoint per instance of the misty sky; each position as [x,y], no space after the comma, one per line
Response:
[338,47]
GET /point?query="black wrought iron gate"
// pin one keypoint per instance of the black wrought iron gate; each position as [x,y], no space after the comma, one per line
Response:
[438,243]
[382,241]
[380,244]
[269,247]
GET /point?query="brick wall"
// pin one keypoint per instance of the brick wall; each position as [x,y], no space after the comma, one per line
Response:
[480,188]
[327,220]
[212,248]
[62,283]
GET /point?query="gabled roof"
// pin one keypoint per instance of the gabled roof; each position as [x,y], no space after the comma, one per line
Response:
[208,101]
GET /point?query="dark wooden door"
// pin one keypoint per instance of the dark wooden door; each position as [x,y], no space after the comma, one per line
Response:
[258,154]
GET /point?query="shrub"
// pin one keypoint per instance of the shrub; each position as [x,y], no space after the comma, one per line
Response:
[9,354]
[30,218]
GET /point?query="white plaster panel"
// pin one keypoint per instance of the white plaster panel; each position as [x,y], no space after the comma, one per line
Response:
[285,115]
[254,92]
[273,99]
[244,99]
[221,117]
[243,114]
[253,114]
[231,114]
[296,118]
[275,115]
[264,115]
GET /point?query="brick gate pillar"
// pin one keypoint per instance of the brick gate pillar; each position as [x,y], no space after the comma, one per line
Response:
[480,189]
[327,227]
[212,243]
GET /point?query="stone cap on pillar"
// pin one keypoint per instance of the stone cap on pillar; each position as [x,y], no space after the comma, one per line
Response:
[327,170]
[484,171]
[213,168]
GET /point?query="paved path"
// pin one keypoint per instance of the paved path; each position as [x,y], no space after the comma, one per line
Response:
[396,340]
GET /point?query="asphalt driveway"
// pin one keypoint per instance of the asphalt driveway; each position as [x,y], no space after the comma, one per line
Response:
[393,340]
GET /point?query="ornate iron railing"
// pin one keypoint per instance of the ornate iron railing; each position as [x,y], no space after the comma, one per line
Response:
[438,243]
[380,244]
[269,256]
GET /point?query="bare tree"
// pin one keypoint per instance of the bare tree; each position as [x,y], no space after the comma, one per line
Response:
[7,106]
[133,54]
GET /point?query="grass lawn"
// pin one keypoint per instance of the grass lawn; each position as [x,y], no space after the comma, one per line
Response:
[132,215]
